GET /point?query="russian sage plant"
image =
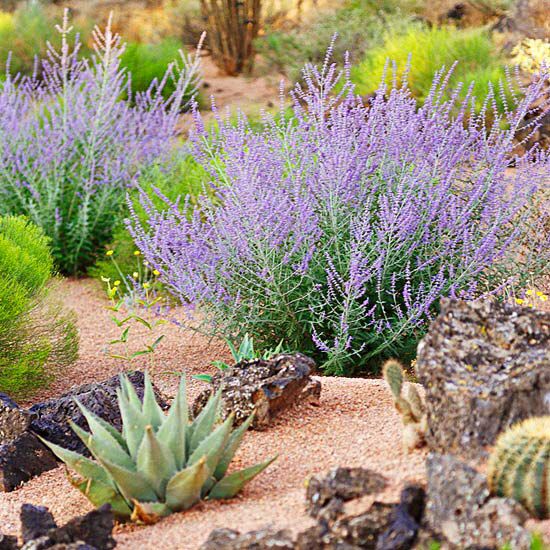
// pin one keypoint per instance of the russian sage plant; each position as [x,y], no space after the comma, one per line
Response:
[339,230]
[71,146]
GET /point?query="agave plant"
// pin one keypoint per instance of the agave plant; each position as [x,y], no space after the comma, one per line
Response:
[160,463]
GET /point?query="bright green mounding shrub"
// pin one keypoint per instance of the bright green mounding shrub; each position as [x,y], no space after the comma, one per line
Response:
[148,62]
[430,49]
[160,463]
[37,337]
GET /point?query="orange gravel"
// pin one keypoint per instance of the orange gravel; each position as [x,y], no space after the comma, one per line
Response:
[355,425]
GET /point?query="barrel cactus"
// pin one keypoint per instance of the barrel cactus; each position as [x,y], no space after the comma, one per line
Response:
[408,403]
[159,463]
[519,466]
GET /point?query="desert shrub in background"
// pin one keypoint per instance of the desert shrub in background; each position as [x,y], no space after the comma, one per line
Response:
[478,61]
[340,230]
[360,25]
[37,337]
[24,35]
[71,147]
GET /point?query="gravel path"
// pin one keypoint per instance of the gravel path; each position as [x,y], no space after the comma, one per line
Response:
[355,425]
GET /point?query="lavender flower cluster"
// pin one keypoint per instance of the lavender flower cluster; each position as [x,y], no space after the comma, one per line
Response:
[340,229]
[71,147]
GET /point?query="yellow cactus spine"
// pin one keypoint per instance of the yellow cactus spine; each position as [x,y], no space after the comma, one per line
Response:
[519,466]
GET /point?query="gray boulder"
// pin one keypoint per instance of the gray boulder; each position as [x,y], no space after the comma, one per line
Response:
[484,367]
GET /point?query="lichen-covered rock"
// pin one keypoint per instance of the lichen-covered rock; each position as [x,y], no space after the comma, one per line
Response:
[460,511]
[263,539]
[325,495]
[51,417]
[264,387]
[13,420]
[484,366]
[22,459]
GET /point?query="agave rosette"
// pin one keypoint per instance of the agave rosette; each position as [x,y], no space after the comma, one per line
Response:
[160,463]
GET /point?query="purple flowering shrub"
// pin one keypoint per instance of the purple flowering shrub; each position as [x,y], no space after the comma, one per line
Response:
[71,146]
[340,229]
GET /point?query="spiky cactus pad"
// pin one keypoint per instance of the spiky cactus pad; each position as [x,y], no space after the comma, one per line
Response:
[519,466]
[159,463]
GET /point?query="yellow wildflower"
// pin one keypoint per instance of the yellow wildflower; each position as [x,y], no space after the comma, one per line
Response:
[529,292]
[519,301]
[117,283]
[135,274]
[156,272]
[137,252]
[146,285]
[109,252]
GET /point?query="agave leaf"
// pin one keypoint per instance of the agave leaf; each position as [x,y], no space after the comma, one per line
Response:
[99,493]
[133,425]
[132,485]
[80,464]
[105,425]
[231,448]
[204,423]
[101,429]
[152,413]
[173,430]
[155,461]
[230,485]
[149,512]
[130,392]
[213,445]
[184,489]
[103,449]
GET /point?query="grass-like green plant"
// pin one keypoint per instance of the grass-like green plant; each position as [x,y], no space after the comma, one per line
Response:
[519,466]
[37,337]
[160,463]
[148,63]
[430,49]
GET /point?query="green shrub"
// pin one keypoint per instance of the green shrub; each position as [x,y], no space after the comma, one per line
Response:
[430,49]
[36,335]
[24,36]
[148,62]
[359,25]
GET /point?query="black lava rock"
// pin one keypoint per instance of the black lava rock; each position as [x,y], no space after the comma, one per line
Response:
[36,521]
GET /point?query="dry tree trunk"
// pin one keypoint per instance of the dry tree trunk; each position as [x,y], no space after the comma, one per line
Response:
[232,26]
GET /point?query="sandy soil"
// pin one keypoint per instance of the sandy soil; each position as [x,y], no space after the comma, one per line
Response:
[355,425]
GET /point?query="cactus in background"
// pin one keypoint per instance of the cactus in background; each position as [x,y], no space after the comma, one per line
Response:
[232,26]
[160,463]
[409,404]
[519,466]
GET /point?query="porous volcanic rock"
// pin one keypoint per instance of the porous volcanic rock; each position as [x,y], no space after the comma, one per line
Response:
[378,526]
[484,367]
[22,459]
[262,539]
[13,420]
[460,512]
[326,495]
[266,387]
[36,521]
[8,542]
[50,418]
[92,531]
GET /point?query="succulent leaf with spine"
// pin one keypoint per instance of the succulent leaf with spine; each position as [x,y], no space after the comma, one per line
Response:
[160,463]
[409,405]
[519,466]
